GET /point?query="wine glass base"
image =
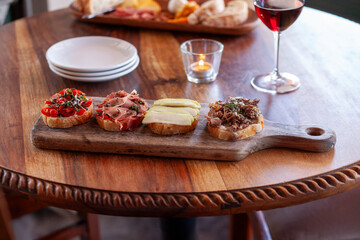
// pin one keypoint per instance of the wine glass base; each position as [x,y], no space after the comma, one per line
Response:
[267,83]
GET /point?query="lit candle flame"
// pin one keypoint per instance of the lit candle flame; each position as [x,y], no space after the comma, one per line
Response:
[202,66]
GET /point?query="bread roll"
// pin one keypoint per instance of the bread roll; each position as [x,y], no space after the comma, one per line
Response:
[206,9]
[234,14]
[95,6]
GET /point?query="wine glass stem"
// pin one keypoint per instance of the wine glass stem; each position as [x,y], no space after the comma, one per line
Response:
[275,73]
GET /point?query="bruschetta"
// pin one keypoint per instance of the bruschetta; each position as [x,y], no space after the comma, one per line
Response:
[121,111]
[170,116]
[236,118]
[67,108]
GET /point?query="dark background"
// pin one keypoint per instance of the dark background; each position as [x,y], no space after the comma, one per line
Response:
[346,8]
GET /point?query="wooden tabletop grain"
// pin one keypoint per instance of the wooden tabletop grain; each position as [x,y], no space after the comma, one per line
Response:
[321,49]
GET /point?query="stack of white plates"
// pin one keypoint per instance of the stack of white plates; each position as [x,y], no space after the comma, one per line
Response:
[92,59]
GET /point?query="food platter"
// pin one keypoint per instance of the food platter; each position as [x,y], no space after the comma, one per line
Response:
[246,27]
[197,144]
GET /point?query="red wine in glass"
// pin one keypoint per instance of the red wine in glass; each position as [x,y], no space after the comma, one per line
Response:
[277,15]
[280,15]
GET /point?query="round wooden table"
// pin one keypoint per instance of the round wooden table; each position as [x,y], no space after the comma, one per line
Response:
[321,49]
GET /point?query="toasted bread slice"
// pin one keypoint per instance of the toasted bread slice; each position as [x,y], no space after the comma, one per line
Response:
[171,129]
[109,125]
[225,134]
[67,122]
[170,116]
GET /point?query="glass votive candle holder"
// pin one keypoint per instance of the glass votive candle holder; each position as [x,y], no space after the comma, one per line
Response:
[201,58]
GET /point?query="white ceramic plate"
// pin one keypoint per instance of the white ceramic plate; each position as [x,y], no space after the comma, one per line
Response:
[95,74]
[98,79]
[91,53]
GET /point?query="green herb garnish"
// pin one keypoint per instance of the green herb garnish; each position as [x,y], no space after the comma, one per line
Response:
[231,105]
[135,108]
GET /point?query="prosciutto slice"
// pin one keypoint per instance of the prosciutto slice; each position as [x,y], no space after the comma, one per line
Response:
[123,108]
[132,13]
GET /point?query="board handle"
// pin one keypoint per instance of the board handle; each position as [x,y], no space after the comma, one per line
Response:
[314,138]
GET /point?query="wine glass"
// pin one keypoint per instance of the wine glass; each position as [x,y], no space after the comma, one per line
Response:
[277,15]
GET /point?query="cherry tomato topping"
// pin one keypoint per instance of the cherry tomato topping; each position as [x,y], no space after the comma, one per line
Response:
[106,117]
[45,111]
[88,102]
[74,91]
[67,111]
[81,111]
[53,112]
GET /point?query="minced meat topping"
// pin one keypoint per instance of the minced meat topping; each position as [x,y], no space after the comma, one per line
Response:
[234,114]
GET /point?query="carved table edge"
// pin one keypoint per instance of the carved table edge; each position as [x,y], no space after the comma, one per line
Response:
[203,203]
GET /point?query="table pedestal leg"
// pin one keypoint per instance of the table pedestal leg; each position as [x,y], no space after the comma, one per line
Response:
[178,228]
[250,225]
[239,227]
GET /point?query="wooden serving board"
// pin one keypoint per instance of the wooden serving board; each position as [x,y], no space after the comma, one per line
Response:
[198,144]
[245,27]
